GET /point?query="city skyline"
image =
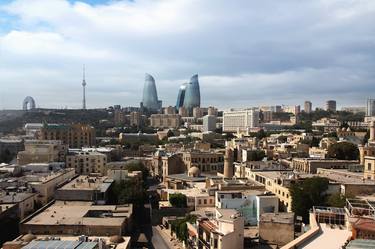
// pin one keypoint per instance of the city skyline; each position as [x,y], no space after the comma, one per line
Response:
[260,53]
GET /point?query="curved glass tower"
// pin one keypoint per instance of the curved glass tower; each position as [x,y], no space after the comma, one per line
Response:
[181,96]
[192,96]
[150,97]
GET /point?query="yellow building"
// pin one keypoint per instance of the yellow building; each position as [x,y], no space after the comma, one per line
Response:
[165,120]
[369,167]
[205,161]
[76,135]
[86,163]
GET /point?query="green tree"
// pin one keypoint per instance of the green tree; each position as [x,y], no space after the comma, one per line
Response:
[178,200]
[256,155]
[128,191]
[343,151]
[261,134]
[308,193]
[179,226]
[6,156]
[336,200]
[282,139]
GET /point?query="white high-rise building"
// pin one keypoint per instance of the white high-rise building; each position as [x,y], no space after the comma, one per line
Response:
[370,107]
[240,120]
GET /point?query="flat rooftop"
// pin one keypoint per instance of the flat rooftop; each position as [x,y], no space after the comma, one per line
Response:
[344,176]
[88,183]
[328,238]
[82,213]
[282,174]
[190,192]
[72,242]
[5,207]
[285,218]
[14,197]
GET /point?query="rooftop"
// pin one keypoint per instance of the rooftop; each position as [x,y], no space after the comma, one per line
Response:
[344,176]
[61,242]
[328,238]
[14,197]
[82,213]
[284,218]
[361,244]
[88,183]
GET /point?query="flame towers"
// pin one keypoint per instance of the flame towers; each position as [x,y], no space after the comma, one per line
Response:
[150,97]
[181,96]
[189,95]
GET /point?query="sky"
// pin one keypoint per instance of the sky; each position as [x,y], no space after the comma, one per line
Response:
[246,52]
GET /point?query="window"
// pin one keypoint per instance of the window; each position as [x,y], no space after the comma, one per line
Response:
[369,166]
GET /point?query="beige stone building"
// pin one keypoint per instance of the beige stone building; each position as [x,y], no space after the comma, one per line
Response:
[205,161]
[42,151]
[182,112]
[46,186]
[73,218]
[169,110]
[369,167]
[224,230]
[24,201]
[135,119]
[76,135]
[86,188]
[119,117]
[308,165]
[86,163]
[165,120]
[276,228]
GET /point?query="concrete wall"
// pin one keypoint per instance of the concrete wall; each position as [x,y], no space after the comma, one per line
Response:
[277,233]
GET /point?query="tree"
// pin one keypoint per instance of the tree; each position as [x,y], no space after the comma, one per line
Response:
[308,193]
[128,191]
[261,134]
[178,200]
[136,165]
[343,151]
[336,200]
[256,155]
[282,139]
[179,226]
[6,156]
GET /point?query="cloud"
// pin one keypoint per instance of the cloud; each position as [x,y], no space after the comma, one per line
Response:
[246,52]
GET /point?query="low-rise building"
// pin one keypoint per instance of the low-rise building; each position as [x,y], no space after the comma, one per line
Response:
[310,165]
[224,230]
[9,221]
[77,218]
[276,228]
[86,188]
[24,201]
[250,204]
[29,241]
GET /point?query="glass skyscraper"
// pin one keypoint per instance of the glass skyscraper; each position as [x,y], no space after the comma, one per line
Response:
[150,97]
[181,96]
[192,96]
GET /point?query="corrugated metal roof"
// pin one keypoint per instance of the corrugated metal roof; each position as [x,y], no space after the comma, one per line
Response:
[53,244]
[361,244]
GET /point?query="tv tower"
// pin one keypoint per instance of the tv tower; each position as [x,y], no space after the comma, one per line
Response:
[84,89]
